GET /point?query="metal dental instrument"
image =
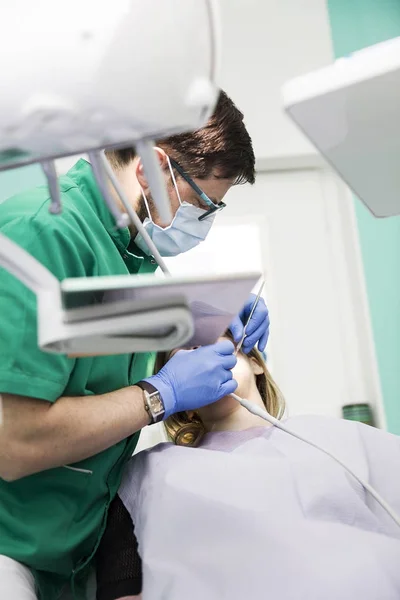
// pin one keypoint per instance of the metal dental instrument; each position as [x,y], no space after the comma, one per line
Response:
[133,217]
[145,149]
[121,219]
[249,318]
[49,169]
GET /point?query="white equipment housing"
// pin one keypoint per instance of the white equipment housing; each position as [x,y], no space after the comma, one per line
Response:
[351,112]
[95,74]
[124,314]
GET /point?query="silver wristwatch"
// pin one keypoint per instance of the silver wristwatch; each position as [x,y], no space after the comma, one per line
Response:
[153,402]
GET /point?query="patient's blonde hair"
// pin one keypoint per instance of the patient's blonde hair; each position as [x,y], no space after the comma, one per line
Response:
[187,429]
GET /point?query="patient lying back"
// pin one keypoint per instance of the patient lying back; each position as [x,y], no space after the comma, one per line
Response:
[235,508]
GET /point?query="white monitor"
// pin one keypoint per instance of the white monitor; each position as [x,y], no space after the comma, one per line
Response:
[103,315]
[124,313]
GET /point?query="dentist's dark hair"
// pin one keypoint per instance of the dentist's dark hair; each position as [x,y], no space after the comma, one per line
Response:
[222,148]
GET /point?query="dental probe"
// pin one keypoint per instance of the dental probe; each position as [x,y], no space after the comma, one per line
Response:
[249,318]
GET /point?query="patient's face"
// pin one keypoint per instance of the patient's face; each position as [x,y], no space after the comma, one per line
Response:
[245,374]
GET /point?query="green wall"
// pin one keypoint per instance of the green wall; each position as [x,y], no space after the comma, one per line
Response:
[18,180]
[354,25]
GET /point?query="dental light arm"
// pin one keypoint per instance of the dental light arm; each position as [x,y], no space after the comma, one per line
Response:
[102,171]
[96,161]
[132,216]
[49,170]
[145,149]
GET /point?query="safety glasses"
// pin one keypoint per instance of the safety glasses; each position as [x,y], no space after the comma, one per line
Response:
[212,206]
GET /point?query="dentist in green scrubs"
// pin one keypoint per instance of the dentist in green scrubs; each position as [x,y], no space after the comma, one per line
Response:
[70,424]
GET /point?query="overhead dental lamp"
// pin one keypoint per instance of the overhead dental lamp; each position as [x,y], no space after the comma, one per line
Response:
[83,76]
[351,112]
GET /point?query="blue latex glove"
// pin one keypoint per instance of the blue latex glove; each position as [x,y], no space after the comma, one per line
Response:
[194,378]
[257,329]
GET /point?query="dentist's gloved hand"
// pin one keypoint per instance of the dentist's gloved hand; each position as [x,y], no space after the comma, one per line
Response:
[257,329]
[194,378]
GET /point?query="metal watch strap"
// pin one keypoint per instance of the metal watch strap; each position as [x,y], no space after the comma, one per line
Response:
[153,401]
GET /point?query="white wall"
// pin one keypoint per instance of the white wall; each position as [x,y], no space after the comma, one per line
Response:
[226,250]
[320,345]
[321,340]
[297,227]
[64,164]
[265,43]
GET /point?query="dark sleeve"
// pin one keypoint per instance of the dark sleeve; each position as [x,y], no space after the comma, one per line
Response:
[118,564]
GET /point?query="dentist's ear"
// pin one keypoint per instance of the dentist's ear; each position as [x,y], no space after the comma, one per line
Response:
[141,175]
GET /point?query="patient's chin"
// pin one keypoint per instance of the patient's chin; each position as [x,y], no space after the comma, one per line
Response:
[244,385]
[226,401]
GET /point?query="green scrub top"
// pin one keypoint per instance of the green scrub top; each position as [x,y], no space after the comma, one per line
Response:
[52,521]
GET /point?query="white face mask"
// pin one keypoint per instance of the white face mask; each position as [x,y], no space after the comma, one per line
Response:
[184,233]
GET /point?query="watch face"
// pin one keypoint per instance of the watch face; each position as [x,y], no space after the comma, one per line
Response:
[156,404]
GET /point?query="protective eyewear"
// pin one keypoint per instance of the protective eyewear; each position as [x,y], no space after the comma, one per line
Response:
[212,206]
